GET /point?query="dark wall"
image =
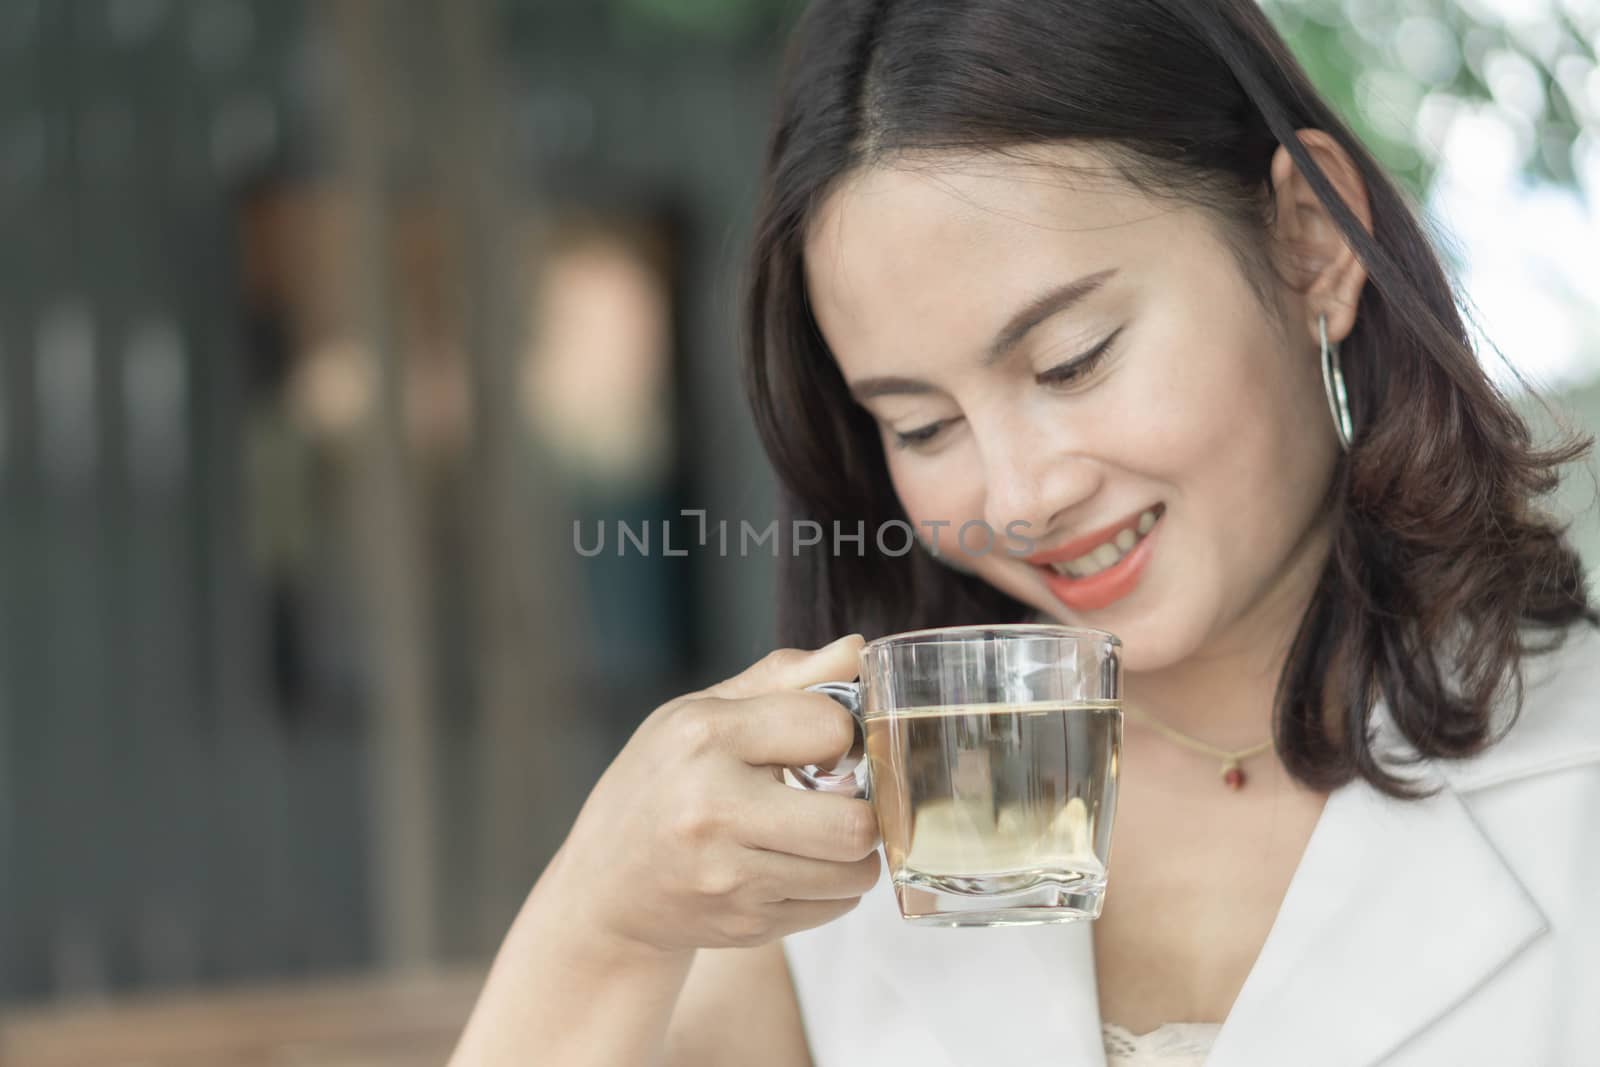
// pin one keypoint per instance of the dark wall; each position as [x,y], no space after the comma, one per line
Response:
[165,819]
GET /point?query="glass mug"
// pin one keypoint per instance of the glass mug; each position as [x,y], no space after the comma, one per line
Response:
[990,756]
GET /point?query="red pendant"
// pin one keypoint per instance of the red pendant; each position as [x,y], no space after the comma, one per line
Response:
[1233,778]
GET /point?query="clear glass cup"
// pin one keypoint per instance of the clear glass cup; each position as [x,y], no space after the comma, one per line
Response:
[990,755]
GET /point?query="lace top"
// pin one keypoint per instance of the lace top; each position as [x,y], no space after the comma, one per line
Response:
[1168,1045]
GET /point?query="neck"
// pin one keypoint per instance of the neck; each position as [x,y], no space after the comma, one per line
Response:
[1224,694]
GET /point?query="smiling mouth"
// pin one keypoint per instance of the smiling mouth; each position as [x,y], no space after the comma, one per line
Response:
[1112,550]
[1111,570]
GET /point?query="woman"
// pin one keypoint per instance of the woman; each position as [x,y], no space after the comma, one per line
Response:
[1095,268]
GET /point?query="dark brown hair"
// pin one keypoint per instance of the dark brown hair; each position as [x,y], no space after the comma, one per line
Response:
[1443,574]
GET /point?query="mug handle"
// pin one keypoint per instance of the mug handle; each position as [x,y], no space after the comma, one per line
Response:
[850,774]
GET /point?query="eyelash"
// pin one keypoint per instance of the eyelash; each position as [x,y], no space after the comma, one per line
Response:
[1078,366]
[920,436]
[1060,374]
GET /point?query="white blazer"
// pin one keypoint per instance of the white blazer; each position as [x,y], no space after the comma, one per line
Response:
[1456,931]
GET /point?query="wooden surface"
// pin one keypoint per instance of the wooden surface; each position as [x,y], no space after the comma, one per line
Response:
[392,1022]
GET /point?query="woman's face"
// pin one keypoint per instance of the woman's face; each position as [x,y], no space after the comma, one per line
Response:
[1069,360]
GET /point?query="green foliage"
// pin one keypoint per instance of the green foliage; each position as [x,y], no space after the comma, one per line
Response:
[1324,52]
[1398,69]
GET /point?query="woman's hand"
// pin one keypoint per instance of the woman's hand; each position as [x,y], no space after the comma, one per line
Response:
[691,839]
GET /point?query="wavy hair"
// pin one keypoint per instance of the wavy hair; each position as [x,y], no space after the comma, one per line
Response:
[1443,573]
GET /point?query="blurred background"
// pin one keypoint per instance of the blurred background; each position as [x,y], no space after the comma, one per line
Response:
[322,322]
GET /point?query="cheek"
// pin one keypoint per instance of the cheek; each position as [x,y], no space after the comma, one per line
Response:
[1173,412]
[1213,389]
[1265,439]
[1244,449]
[945,487]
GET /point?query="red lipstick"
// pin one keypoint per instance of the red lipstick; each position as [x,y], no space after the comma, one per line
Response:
[1106,587]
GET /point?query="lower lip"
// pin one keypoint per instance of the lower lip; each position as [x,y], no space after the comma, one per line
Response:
[1101,590]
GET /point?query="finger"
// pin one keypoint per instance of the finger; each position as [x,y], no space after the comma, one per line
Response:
[792,916]
[784,877]
[788,728]
[794,668]
[818,826]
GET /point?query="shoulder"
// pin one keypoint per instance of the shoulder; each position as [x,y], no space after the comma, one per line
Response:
[1558,725]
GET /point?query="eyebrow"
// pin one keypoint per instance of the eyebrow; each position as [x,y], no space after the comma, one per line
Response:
[1030,315]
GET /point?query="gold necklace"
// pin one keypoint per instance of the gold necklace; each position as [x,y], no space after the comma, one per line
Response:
[1232,773]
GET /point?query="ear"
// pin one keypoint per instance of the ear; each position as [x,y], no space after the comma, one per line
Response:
[1314,257]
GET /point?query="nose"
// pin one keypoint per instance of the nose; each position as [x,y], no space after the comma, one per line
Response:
[1034,478]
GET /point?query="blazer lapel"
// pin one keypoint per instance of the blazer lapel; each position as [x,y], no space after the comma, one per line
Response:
[1397,912]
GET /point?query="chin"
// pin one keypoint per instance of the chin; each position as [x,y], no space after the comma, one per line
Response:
[1151,648]
[1152,640]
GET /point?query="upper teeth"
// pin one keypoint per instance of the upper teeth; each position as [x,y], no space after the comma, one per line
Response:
[1109,552]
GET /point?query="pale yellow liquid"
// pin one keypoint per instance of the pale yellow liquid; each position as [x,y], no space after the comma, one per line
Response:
[995,798]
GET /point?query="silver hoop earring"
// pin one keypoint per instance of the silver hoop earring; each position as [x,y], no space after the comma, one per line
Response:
[1333,384]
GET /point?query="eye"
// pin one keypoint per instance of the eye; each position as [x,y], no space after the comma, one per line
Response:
[914,439]
[1078,366]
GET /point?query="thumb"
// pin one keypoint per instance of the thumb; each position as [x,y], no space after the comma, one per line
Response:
[795,668]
